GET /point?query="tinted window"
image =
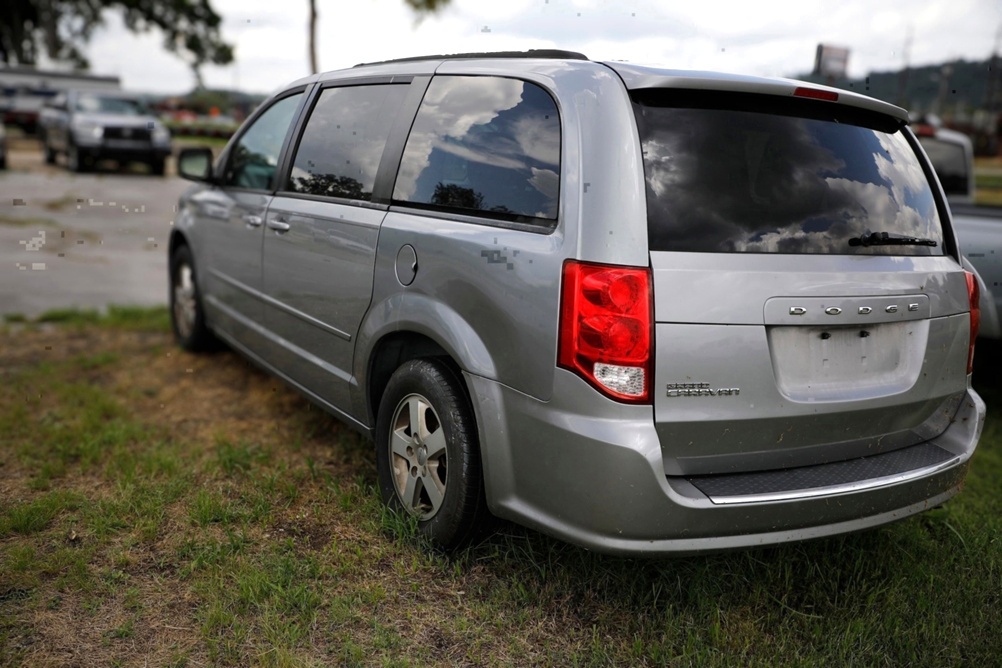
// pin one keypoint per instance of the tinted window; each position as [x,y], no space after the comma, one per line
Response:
[801,179]
[485,145]
[950,163]
[99,104]
[340,149]
[255,157]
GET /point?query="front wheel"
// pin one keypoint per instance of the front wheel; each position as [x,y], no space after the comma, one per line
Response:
[427,453]
[75,162]
[187,318]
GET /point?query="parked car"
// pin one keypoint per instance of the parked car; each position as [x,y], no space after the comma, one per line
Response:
[91,126]
[640,309]
[979,228]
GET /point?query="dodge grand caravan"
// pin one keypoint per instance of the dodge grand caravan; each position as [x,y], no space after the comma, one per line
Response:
[640,309]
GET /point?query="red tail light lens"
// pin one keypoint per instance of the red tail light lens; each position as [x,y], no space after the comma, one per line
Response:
[605,328]
[815,94]
[974,294]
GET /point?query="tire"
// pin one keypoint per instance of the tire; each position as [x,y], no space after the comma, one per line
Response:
[157,166]
[74,161]
[432,472]
[50,155]
[187,319]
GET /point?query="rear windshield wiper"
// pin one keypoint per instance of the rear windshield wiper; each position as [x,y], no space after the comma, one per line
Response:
[885,239]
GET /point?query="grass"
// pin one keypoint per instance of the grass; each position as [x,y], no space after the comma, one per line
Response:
[124,317]
[988,181]
[31,221]
[167,509]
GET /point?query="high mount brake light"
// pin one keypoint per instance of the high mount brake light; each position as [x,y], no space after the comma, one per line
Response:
[815,94]
[606,318]
[974,294]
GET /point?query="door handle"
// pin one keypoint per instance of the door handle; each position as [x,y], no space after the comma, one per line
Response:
[279,225]
[252,220]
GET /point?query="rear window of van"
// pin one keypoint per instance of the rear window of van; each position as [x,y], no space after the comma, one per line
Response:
[739,173]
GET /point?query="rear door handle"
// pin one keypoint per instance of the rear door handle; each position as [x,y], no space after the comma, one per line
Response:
[252,220]
[279,225]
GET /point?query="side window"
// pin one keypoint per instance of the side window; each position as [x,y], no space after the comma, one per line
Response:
[340,150]
[485,146]
[254,159]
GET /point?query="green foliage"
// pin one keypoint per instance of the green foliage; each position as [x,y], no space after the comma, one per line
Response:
[426,6]
[61,28]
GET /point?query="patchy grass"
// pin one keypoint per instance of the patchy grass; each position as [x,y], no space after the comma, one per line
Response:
[125,317]
[988,197]
[988,181]
[160,508]
[28,221]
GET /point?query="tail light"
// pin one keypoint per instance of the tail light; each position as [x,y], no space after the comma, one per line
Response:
[815,94]
[605,328]
[974,294]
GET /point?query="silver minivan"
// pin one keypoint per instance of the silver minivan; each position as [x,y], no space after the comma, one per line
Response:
[643,310]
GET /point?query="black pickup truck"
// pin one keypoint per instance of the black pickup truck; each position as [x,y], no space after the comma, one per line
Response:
[91,126]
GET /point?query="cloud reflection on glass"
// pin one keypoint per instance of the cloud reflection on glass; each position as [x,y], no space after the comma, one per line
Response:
[741,181]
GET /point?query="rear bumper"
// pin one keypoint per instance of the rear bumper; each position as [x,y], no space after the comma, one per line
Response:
[592,474]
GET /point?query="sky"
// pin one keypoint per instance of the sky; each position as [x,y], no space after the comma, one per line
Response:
[767,37]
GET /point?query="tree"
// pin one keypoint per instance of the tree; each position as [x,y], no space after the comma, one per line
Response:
[63,27]
[421,7]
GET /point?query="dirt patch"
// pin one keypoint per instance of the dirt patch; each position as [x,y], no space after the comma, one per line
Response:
[205,399]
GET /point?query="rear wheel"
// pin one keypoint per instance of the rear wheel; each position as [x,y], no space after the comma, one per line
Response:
[50,154]
[157,166]
[427,453]
[186,315]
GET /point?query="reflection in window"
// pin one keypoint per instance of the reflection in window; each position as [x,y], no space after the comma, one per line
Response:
[255,157]
[484,144]
[724,180]
[339,153]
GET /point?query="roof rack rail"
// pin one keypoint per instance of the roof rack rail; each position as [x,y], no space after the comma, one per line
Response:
[531,53]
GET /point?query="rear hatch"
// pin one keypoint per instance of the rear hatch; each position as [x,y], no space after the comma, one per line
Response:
[808,309]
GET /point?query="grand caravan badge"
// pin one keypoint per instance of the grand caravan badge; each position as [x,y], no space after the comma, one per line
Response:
[700,390]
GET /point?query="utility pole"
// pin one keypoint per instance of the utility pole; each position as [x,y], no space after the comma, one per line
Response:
[991,90]
[903,77]
[945,72]
[313,36]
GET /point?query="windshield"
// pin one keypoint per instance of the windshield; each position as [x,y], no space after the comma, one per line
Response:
[100,104]
[734,173]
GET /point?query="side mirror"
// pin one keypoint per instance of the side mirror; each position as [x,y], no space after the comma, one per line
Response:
[195,164]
